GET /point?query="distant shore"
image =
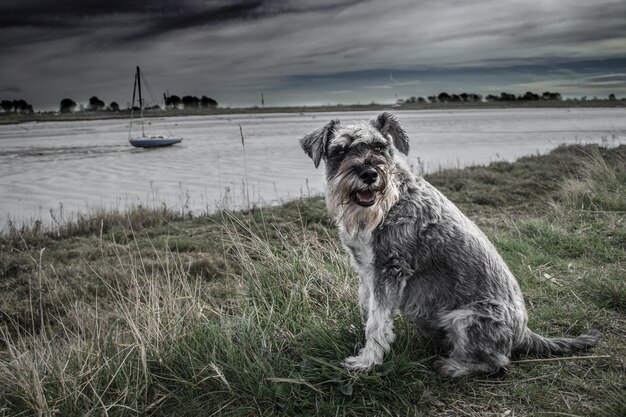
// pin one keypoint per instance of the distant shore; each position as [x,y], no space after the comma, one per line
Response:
[12,118]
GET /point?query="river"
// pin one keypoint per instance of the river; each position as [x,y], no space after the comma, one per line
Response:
[59,168]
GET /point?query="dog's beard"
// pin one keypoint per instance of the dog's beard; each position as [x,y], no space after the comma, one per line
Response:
[356,206]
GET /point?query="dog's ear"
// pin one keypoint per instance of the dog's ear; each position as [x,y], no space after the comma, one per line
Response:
[387,124]
[314,144]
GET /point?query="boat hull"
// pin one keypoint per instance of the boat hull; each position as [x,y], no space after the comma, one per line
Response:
[154,142]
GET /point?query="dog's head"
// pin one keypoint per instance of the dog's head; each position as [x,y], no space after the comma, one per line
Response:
[360,168]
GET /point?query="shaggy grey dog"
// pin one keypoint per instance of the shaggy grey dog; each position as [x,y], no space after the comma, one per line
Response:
[418,255]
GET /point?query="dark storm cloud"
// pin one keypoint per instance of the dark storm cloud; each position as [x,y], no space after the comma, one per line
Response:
[133,19]
[147,18]
[302,51]
[67,13]
[11,89]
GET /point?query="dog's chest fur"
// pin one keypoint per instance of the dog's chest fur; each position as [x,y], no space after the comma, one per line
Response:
[360,249]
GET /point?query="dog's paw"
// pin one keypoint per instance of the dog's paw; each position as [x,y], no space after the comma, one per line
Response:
[450,368]
[363,362]
[358,363]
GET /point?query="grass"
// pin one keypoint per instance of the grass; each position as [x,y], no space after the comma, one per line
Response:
[149,313]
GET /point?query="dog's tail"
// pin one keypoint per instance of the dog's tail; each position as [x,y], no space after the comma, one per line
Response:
[534,344]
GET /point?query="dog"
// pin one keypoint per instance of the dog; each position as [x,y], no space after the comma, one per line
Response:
[416,254]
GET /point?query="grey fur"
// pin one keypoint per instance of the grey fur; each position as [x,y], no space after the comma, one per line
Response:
[387,124]
[315,143]
[418,255]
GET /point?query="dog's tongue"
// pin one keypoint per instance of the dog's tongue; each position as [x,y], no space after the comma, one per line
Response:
[366,196]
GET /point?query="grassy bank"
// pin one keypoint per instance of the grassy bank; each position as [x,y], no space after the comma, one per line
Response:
[148,313]
[13,118]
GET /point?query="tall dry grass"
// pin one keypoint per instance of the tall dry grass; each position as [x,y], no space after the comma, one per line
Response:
[598,187]
[97,221]
[155,331]
[94,358]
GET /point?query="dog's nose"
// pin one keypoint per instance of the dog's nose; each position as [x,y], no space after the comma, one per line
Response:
[368,175]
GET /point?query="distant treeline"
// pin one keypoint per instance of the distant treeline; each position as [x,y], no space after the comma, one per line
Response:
[188,102]
[444,97]
[67,105]
[16,106]
[95,104]
[171,102]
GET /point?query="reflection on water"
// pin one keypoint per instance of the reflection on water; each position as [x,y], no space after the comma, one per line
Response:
[87,164]
[44,153]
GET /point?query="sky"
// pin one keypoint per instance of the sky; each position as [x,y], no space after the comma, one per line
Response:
[309,52]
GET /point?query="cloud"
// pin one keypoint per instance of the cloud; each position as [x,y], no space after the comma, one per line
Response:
[11,89]
[608,79]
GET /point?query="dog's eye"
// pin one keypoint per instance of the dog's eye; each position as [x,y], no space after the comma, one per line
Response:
[339,152]
[378,148]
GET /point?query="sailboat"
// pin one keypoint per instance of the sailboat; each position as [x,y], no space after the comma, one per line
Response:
[146,141]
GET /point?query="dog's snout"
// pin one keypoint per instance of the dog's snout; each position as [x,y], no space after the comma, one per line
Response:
[368,175]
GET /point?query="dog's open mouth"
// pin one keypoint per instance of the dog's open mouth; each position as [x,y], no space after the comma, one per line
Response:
[365,198]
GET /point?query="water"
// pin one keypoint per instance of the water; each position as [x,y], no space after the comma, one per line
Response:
[58,168]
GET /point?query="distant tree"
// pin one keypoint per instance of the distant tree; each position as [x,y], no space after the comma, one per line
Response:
[551,96]
[95,104]
[191,102]
[17,106]
[443,97]
[208,102]
[67,105]
[507,96]
[23,107]
[464,97]
[114,106]
[529,95]
[492,97]
[455,98]
[20,106]
[432,99]
[476,98]
[421,100]
[6,105]
[172,102]
[612,97]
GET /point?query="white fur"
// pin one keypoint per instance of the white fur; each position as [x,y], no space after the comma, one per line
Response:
[378,320]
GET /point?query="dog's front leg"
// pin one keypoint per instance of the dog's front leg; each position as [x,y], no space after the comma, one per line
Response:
[379,335]
[365,290]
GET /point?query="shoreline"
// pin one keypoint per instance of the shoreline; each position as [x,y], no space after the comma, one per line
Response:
[9,119]
[50,224]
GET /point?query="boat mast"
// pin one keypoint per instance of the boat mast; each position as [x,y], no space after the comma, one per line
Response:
[143,133]
[132,108]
